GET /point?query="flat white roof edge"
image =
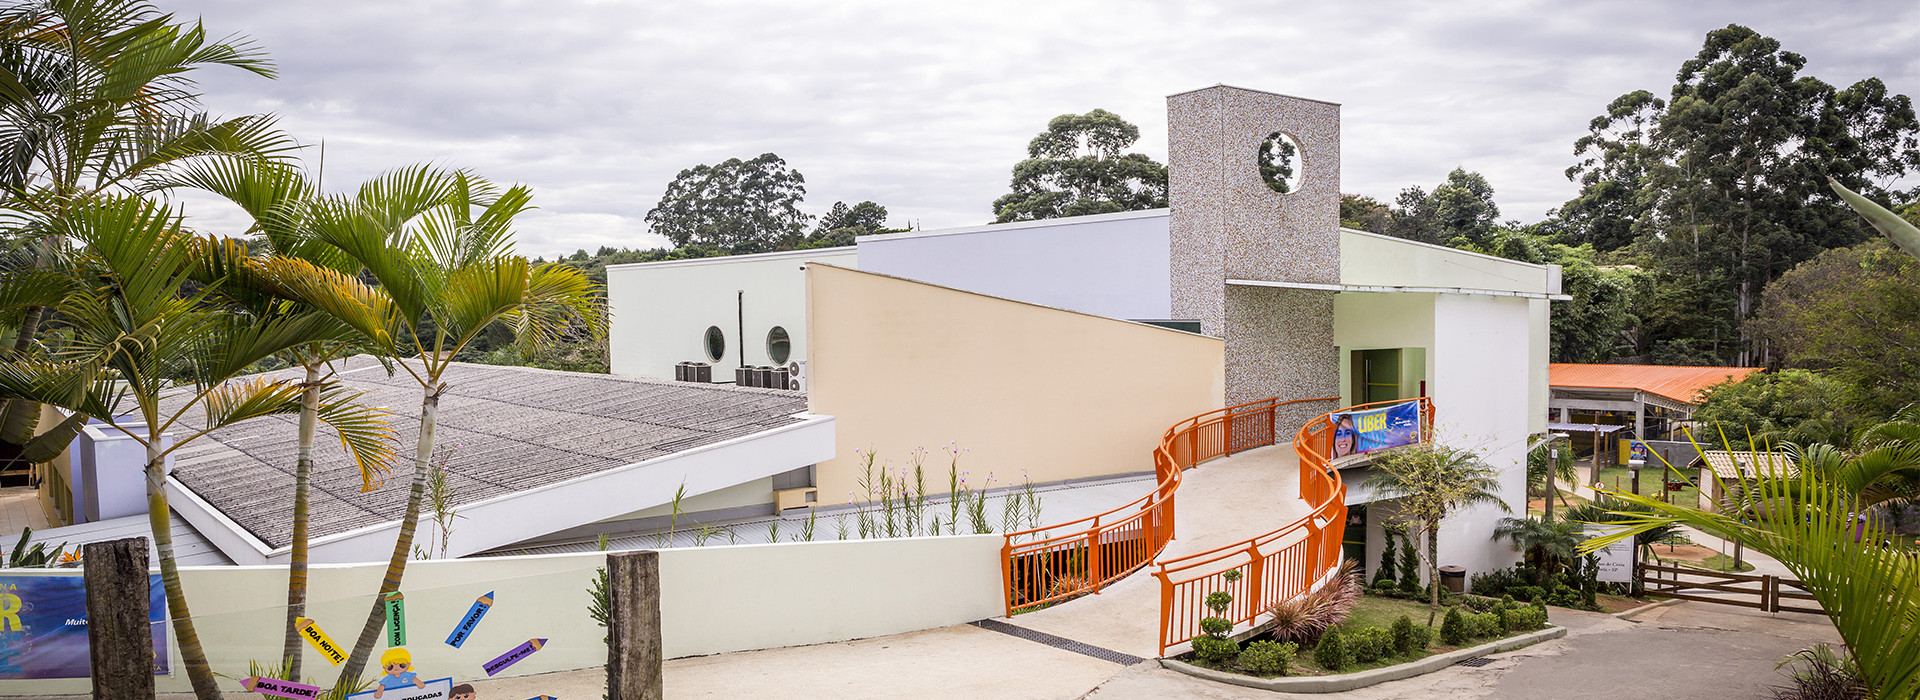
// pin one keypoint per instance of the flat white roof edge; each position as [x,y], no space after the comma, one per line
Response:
[1435,246]
[750,257]
[1385,289]
[1017,225]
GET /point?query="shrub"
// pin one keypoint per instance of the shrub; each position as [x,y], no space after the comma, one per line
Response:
[1496,582]
[1453,629]
[1530,593]
[1404,642]
[1265,658]
[1521,619]
[1215,649]
[1422,636]
[1369,644]
[1484,625]
[1332,652]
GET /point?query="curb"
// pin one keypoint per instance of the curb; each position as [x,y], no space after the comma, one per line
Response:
[1350,681]
[1630,614]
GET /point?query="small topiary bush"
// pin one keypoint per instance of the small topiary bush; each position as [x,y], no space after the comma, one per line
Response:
[1405,643]
[1332,652]
[1453,629]
[1215,649]
[1370,644]
[1267,658]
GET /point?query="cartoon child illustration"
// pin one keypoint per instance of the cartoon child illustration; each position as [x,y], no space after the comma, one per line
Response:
[464,691]
[399,667]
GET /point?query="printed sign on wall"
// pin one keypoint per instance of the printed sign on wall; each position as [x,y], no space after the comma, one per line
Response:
[1355,432]
[43,626]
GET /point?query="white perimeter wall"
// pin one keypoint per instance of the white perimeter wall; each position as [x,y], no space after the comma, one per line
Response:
[713,600]
[1112,265]
[661,311]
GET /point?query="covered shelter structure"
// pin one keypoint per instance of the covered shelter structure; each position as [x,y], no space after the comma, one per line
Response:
[1642,397]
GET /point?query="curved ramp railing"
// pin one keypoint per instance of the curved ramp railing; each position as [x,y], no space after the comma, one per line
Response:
[1100,549]
[1278,565]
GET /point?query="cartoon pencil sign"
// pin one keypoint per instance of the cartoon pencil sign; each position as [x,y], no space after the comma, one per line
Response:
[396,619]
[470,620]
[318,639]
[501,662]
[279,688]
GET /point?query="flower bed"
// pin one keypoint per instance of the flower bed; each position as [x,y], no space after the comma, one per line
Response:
[1376,632]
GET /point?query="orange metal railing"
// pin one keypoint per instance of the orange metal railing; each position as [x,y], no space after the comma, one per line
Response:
[1067,559]
[1278,565]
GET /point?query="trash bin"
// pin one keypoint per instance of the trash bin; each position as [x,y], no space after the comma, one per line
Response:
[1454,578]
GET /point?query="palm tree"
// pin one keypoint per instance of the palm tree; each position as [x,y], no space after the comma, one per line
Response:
[1428,482]
[438,245]
[96,96]
[132,335]
[1870,592]
[278,198]
[1547,545]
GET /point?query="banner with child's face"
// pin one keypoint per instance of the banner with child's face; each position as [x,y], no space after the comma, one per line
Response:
[1355,432]
[43,626]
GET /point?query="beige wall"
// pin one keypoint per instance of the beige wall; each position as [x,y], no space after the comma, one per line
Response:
[713,600]
[1061,395]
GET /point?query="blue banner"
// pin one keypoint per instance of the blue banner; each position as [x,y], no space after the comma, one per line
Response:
[1355,432]
[43,626]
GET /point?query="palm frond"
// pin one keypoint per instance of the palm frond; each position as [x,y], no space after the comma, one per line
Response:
[364,433]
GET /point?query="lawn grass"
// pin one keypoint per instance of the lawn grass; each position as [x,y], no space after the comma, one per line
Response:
[1717,562]
[1621,479]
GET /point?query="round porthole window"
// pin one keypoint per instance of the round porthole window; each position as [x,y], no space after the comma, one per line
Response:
[779,346]
[1280,163]
[716,344]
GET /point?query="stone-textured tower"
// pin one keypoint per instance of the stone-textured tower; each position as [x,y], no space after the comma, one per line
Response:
[1229,225]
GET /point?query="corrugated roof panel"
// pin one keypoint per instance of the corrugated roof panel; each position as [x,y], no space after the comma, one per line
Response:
[1682,384]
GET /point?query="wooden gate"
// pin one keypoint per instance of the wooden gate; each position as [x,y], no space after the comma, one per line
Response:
[1763,592]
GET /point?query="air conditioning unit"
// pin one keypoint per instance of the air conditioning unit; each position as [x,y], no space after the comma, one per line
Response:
[743,376]
[779,378]
[681,371]
[797,375]
[700,372]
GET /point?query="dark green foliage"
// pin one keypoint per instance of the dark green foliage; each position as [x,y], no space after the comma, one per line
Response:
[1075,168]
[1409,566]
[1219,601]
[1793,405]
[1384,574]
[599,600]
[1369,644]
[1268,658]
[1215,649]
[747,206]
[1403,636]
[34,557]
[1332,653]
[1847,312]
[1453,628]
[1525,618]
[1216,626]
[1484,625]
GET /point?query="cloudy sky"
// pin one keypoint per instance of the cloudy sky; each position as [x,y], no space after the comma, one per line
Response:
[924,107]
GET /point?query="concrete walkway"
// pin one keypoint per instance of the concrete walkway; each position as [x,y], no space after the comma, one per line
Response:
[1219,503]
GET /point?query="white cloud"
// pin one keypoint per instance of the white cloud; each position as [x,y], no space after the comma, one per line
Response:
[925,107]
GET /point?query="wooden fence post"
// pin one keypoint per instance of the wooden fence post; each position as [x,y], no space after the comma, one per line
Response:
[634,653]
[119,635]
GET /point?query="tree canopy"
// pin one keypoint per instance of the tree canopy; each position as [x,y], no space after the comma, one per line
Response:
[748,206]
[1849,311]
[1076,167]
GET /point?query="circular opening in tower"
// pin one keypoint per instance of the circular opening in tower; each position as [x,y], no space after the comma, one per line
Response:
[1280,162]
